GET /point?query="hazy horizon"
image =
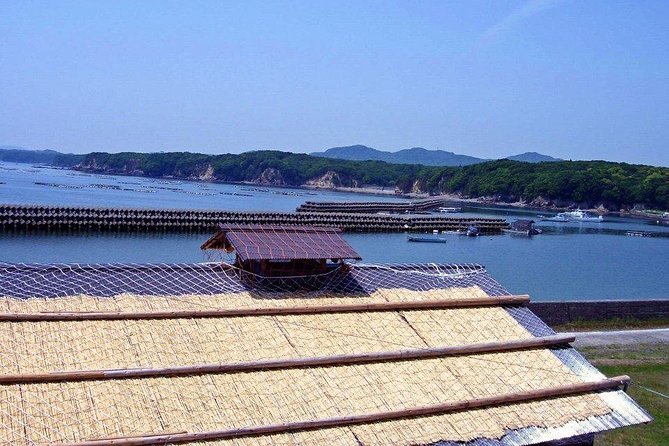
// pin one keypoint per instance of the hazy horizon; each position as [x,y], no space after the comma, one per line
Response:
[573,80]
[501,156]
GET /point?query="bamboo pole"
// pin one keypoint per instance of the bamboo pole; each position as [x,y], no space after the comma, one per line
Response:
[269,364]
[348,420]
[268,311]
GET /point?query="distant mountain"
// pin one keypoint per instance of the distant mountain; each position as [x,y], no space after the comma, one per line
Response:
[354,153]
[14,154]
[419,155]
[416,155]
[532,157]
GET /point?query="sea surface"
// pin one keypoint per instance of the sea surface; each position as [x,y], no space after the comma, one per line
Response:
[569,261]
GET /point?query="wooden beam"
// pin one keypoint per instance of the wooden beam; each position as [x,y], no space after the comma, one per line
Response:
[267,311]
[348,420]
[270,364]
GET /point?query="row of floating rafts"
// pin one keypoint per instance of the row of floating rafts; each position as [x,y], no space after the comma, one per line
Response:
[311,206]
[264,219]
[199,215]
[181,226]
[27,215]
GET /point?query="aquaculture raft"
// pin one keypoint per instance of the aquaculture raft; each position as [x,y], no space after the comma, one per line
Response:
[177,220]
[371,206]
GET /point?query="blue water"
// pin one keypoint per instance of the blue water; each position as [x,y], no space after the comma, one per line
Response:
[83,189]
[569,261]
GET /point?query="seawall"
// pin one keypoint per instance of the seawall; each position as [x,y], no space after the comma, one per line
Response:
[559,313]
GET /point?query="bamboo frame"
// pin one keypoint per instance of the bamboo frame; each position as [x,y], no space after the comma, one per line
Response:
[522,299]
[421,411]
[316,361]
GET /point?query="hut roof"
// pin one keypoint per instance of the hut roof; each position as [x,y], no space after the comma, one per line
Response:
[522,224]
[387,354]
[263,242]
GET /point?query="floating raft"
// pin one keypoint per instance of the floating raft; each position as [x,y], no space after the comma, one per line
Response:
[29,217]
[371,207]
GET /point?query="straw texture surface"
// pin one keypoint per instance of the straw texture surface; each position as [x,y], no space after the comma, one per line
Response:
[77,411]
[135,302]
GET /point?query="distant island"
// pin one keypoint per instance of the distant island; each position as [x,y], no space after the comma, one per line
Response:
[419,155]
[609,185]
[13,154]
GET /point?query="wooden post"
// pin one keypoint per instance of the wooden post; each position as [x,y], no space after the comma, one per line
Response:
[268,311]
[272,364]
[349,420]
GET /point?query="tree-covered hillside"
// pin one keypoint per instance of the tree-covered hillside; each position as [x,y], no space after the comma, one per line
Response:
[51,157]
[588,183]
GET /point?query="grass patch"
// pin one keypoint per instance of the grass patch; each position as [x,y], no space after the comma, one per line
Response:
[648,366]
[616,323]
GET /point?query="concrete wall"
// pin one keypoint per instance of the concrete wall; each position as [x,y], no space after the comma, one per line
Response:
[557,313]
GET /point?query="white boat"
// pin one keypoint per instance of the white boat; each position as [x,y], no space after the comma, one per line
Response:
[560,218]
[426,239]
[577,215]
[449,210]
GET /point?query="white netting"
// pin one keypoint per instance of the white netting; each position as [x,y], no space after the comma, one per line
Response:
[76,411]
[60,280]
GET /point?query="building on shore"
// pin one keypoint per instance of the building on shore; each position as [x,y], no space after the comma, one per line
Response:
[320,352]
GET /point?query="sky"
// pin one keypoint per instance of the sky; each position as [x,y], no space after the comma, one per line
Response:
[572,79]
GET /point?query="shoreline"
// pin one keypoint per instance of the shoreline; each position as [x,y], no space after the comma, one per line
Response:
[380,191]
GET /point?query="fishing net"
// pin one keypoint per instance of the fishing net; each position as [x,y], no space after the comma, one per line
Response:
[74,411]
[103,280]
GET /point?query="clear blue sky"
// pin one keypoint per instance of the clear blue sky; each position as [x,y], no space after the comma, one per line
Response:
[572,79]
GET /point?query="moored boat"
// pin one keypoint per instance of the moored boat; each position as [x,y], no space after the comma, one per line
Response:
[577,215]
[559,218]
[472,231]
[448,210]
[664,220]
[425,239]
[639,233]
[523,227]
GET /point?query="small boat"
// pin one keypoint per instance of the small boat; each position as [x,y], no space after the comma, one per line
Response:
[639,233]
[523,227]
[449,210]
[415,238]
[559,218]
[472,231]
[579,215]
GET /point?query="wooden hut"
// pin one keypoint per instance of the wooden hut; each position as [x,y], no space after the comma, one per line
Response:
[523,226]
[277,251]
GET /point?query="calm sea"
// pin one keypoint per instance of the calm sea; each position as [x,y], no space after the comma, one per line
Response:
[569,261]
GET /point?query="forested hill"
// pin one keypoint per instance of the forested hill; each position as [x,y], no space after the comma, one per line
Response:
[586,183]
[20,155]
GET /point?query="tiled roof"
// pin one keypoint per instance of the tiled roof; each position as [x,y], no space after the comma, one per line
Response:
[257,242]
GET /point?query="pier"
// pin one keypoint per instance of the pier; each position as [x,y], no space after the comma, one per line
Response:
[38,217]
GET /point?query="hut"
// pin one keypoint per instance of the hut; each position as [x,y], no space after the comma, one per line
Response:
[408,354]
[522,226]
[276,251]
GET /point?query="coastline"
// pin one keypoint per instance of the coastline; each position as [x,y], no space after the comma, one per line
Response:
[381,191]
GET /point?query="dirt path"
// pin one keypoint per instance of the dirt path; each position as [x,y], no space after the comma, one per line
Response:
[621,337]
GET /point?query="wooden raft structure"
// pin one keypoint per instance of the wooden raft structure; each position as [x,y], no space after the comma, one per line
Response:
[372,206]
[37,217]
